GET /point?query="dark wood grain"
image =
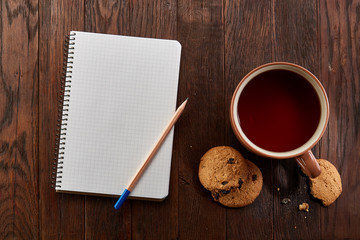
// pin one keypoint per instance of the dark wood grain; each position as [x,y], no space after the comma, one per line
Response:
[201,33]
[339,69]
[101,220]
[221,42]
[19,205]
[293,42]
[246,48]
[61,215]
[107,16]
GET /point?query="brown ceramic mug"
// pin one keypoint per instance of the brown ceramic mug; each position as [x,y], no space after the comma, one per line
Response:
[280,110]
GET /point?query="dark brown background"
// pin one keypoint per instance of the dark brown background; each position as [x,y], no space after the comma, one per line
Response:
[221,42]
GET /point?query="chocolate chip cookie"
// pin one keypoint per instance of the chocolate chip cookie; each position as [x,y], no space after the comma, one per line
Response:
[247,191]
[327,186]
[222,168]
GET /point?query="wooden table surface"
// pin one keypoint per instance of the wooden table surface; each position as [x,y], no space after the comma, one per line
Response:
[221,42]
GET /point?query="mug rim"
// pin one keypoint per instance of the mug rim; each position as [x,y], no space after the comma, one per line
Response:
[292,153]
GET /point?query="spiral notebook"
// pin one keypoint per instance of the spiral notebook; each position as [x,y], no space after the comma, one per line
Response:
[119,94]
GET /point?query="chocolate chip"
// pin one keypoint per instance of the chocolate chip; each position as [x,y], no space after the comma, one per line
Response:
[254,177]
[215,196]
[225,191]
[285,201]
[240,183]
[224,183]
[231,160]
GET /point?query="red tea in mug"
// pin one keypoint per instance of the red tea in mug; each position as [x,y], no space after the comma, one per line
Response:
[279,110]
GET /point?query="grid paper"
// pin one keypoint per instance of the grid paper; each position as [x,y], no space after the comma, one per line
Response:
[123,94]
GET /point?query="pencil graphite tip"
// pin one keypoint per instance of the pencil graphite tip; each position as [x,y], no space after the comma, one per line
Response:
[182,106]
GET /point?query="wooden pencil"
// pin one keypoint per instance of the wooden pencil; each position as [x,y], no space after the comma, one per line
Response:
[146,163]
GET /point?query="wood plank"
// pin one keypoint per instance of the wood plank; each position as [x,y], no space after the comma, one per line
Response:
[145,17]
[248,38]
[61,215]
[156,19]
[339,69]
[107,16]
[19,209]
[201,33]
[102,221]
[296,41]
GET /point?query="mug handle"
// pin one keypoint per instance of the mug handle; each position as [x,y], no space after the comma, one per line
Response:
[309,164]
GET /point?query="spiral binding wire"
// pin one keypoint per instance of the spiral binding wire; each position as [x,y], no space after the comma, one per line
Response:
[63,108]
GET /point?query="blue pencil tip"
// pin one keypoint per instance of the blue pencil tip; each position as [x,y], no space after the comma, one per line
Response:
[121,199]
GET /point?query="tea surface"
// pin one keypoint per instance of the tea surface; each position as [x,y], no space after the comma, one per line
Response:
[279,110]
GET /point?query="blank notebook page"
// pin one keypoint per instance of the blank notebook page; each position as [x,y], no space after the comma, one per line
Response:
[123,94]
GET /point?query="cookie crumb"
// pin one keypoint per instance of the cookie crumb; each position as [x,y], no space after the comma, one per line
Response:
[304,207]
[285,201]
